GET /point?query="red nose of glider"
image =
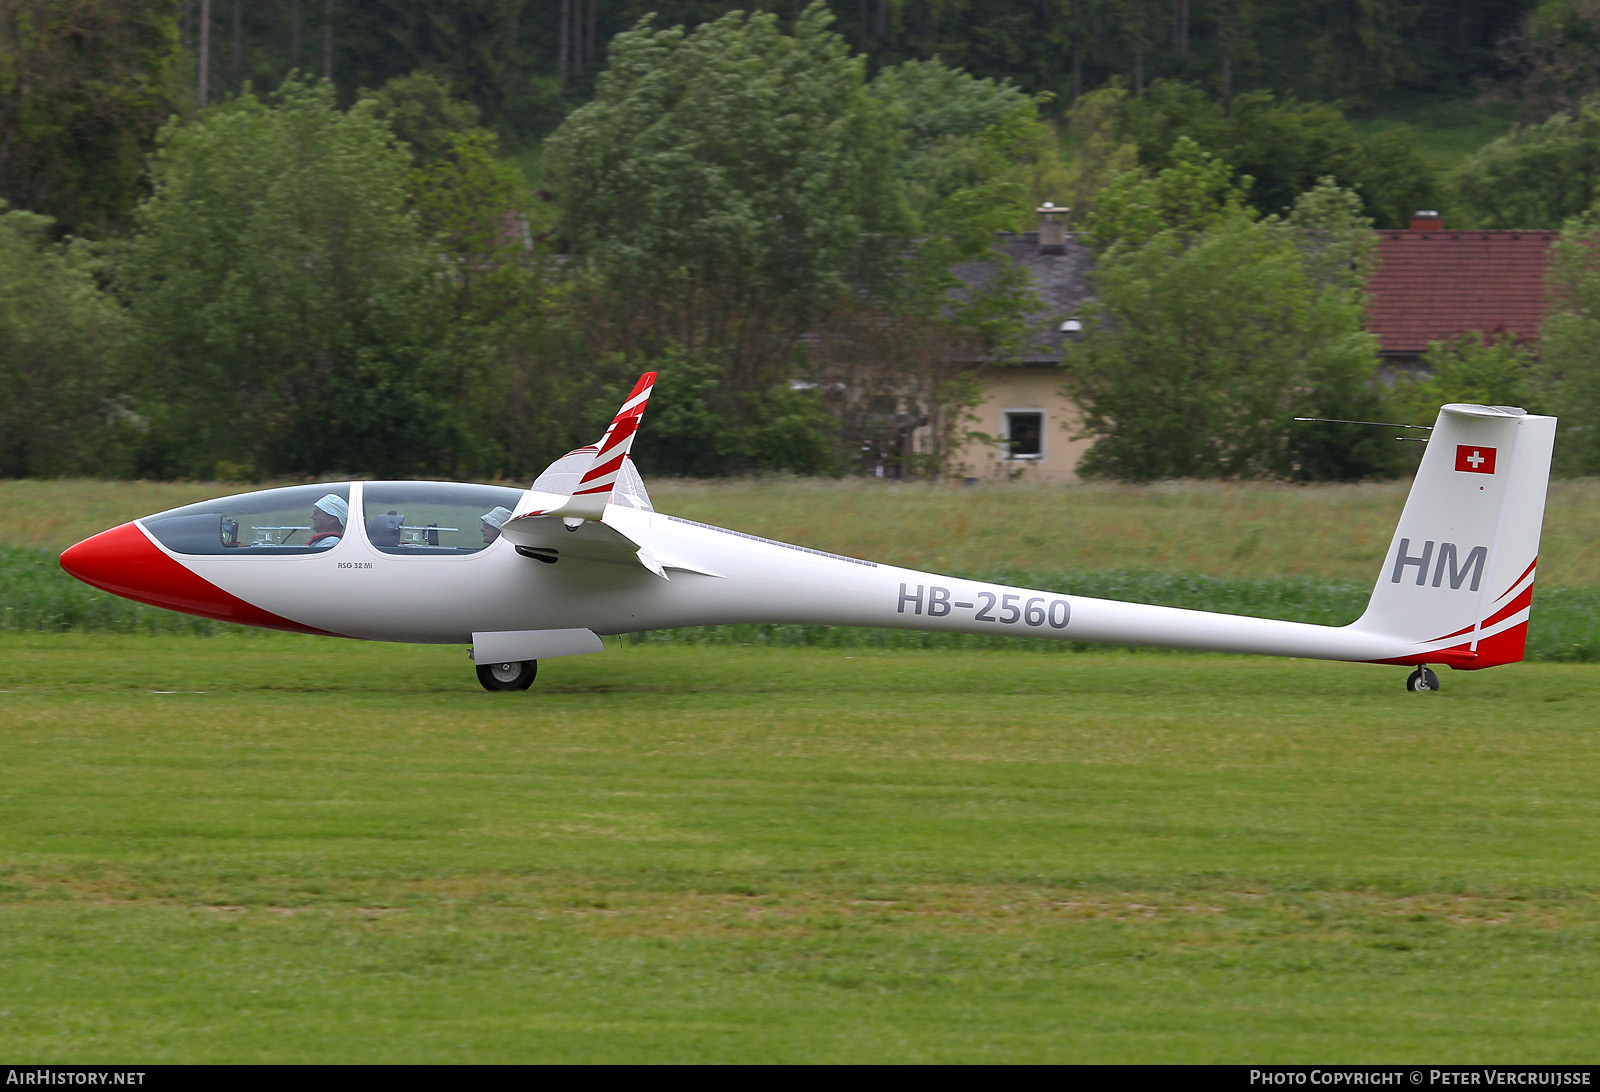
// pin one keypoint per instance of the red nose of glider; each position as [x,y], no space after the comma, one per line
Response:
[125,562]
[122,560]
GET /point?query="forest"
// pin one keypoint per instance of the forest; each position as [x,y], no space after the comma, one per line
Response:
[296,238]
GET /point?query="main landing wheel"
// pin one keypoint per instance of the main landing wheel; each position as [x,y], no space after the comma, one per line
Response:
[1421,679]
[515,675]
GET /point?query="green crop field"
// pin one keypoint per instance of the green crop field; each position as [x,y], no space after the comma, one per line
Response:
[1256,530]
[296,849]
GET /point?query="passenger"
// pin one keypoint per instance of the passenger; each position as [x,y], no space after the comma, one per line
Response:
[493,520]
[328,518]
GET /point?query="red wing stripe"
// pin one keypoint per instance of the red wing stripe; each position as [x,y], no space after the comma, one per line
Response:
[1521,601]
[646,381]
[1457,633]
[600,471]
[622,430]
[1518,580]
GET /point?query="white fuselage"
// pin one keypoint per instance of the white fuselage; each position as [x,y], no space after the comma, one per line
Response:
[356,590]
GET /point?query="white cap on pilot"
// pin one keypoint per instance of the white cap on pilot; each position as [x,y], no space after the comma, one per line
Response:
[497,516]
[335,506]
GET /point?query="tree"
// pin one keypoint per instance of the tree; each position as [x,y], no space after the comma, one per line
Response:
[953,131]
[84,85]
[692,431]
[1196,192]
[1552,60]
[282,289]
[722,179]
[62,341]
[423,115]
[723,189]
[508,360]
[1215,329]
[896,366]
[1285,146]
[1536,175]
[1469,368]
[1360,51]
[1568,373]
[1098,151]
[744,200]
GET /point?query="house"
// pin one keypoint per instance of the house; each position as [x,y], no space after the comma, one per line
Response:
[1023,407]
[1434,285]
[1430,285]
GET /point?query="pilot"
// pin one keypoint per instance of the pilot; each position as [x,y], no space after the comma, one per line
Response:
[328,518]
[493,520]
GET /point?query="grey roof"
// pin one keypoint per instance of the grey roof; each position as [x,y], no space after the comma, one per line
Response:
[1060,283]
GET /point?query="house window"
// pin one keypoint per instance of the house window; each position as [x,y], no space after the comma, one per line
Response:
[1024,433]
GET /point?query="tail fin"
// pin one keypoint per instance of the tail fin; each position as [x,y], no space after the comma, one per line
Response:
[588,477]
[1458,579]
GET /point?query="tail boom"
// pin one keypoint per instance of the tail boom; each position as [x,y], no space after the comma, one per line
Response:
[1470,530]
[758,581]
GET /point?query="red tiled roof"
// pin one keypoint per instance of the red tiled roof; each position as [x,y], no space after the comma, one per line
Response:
[1434,285]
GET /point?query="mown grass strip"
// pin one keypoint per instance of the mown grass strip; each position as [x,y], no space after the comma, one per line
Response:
[297,849]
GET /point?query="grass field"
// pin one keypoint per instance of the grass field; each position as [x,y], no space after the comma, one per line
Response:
[292,849]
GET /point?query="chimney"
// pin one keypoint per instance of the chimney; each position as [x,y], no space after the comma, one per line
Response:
[1052,228]
[1426,220]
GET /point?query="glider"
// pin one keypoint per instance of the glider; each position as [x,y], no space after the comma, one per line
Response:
[522,576]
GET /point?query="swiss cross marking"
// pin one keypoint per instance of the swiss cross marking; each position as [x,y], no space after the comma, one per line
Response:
[1475,460]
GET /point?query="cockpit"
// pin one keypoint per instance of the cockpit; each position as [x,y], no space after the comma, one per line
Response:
[413,519]
[417,518]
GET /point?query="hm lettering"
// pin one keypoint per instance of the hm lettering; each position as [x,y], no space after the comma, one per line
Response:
[1444,557]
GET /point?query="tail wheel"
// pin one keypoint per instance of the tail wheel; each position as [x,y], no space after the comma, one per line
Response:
[1421,679]
[513,675]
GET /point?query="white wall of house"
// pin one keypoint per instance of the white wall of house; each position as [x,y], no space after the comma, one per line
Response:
[1011,396]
